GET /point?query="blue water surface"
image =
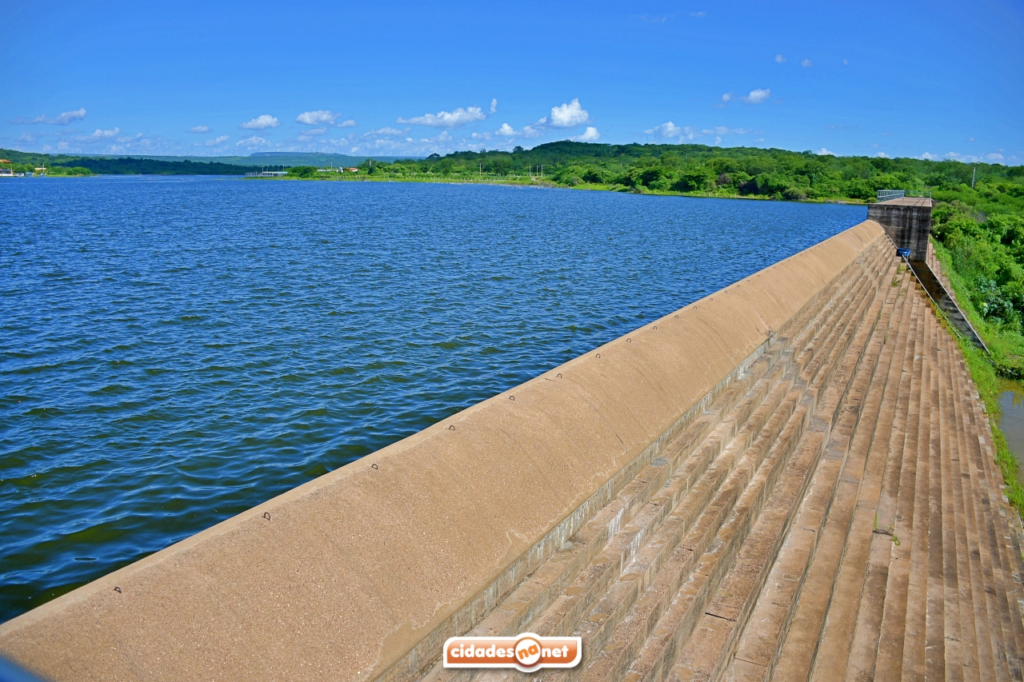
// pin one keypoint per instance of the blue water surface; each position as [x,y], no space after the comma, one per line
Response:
[174,350]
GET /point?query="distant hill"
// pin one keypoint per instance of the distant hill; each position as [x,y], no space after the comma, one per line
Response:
[314,159]
[286,159]
[135,165]
[189,165]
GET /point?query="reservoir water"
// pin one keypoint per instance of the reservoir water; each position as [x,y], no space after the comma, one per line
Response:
[1011,422]
[174,350]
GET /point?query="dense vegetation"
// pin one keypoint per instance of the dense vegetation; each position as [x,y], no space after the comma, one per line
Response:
[65,171]
[694,169]
[25,162]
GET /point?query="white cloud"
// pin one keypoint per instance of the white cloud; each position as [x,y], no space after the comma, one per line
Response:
[846,62]
[807,62]
[494,105]
[442,144]
[992,157]
[569,115]
[481,136]
[530,131]
[779,58]
[670,130]
[726,97]
[28,137]
[825,152]
[722,130]
[757,96]
[199,129]
[69,117]
[253,141]
[220,139]
[447,119]
[323,117]
[315,117]
[99,134]
[261,123]
[882,155]
[62,146]
[62,120]
[589,135]
[701,14]
[387,131]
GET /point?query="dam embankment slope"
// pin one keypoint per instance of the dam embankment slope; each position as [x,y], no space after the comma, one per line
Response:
[792,474]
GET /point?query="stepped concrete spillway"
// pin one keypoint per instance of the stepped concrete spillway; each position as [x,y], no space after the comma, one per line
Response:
[790,479]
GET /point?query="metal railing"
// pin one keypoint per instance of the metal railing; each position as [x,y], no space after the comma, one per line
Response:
[889,194]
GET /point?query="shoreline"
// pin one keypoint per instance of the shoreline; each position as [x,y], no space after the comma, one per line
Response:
[589,187]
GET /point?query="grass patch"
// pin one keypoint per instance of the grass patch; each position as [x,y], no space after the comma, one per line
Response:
[1006,348]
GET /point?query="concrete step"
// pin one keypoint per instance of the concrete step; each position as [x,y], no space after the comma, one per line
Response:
[871,529]
[979,506]
[641,532]
[965,638]
[986,483]
[707,655]
[676,624]
[698,536]
[810,557]
[908,524]
[761,639]
[873,436]
[835,508]
[915,618]
[860,643]
[973,587]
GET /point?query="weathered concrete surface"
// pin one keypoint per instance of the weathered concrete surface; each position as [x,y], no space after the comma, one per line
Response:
[341,578]
[908,221]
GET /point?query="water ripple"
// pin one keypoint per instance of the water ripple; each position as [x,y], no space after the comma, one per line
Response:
[176,350]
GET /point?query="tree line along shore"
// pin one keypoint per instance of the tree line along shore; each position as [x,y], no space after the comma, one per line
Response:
[978,219]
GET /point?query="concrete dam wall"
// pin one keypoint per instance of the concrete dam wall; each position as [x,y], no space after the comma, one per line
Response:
[787,479]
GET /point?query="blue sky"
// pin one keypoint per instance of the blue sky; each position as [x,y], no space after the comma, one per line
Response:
[936,79]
